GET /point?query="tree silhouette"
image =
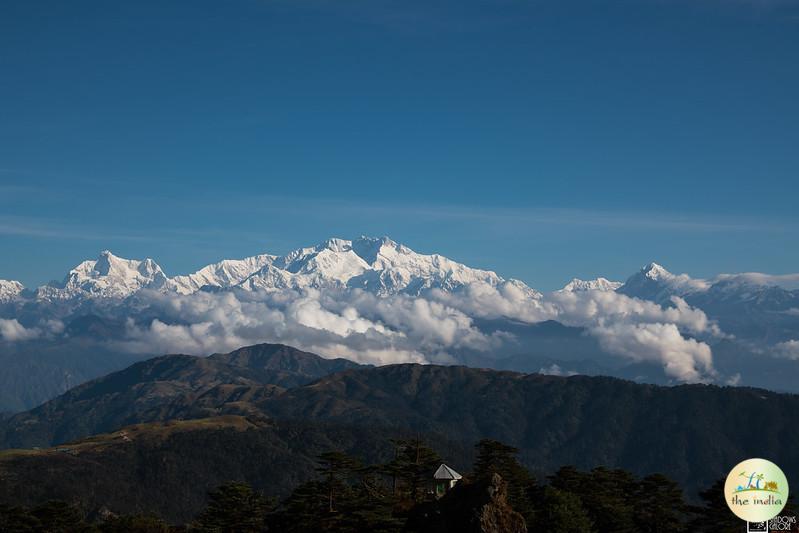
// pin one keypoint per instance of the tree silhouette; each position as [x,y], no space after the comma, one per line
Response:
[660,506]
[561,512]
[714,515]
[494,457]
[335,468]
[58,517]
[18,519]
[413,466]
[605,494]
[234,507]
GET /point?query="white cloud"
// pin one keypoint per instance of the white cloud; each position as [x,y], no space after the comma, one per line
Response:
[352,324]
[734,380]
[628,327]
[556,370]
[11,330]
[435,327]
[786,281]
[683,359]
[788,349]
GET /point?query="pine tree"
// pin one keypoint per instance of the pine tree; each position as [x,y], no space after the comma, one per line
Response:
[335,469]
[58,517]
[660,506]
[234,507]
[413,467]
[714,515]
[561,512]
[346,498]
[304,510]
[496,457]
[605,494]
[18,519]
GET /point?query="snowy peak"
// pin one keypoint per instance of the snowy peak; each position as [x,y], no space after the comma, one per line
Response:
[369,249]
[108,276]
[10,290]
[598,284]
[226,273]
[656,272]
[380,266]
[332,260]
[377,265]
[654,282]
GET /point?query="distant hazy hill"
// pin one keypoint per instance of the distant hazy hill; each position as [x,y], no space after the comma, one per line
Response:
[693,433]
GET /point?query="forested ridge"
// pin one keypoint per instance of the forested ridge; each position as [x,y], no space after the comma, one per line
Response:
[347,494]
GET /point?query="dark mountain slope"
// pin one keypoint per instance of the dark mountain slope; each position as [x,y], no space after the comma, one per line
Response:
[694,433]
[164,388]
[282,365]
[169,468]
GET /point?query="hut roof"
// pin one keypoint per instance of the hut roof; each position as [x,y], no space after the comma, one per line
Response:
[445,472]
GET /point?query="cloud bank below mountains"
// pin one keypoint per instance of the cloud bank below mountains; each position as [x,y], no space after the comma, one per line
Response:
[432,328]
[11,330]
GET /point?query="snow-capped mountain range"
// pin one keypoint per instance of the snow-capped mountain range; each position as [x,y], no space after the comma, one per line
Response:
[377,301]
[376,265]
[383,267]
[655,283]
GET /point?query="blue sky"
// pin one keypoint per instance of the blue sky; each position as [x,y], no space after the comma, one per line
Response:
[543,140]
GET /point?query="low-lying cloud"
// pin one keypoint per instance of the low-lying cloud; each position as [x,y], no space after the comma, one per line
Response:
[11,330]
[352,324]
[434,328]
[788,349]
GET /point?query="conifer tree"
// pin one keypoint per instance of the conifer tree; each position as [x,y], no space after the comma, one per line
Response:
[714,515]
[496,457]
[19,519]
[58,516]
[413,466]
[335,469]
[660,507]
[606,494]
[234,507]
[560,512]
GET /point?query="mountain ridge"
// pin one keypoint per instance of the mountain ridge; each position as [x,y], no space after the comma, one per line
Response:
[554,420]
[380,265]
[165,387]
[377,301]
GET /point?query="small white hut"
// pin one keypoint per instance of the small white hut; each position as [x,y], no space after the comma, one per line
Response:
[445,478]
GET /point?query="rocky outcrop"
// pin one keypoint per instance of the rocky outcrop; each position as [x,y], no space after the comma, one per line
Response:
[480,507]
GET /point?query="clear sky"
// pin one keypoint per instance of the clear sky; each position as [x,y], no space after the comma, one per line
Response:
[541,139]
